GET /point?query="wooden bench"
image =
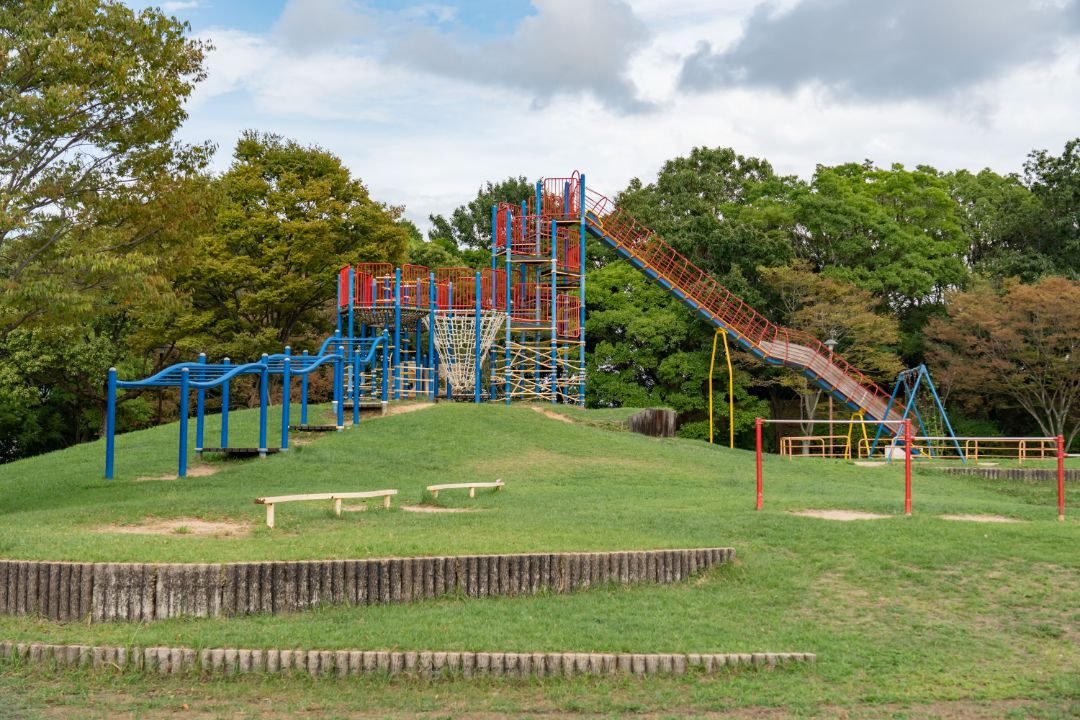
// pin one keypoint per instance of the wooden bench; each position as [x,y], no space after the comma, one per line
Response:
[434,489]
[337,497]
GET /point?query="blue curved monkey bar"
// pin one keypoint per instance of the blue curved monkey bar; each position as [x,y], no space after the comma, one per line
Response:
[202,376]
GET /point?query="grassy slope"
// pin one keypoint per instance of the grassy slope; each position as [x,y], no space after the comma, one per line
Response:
[900,610]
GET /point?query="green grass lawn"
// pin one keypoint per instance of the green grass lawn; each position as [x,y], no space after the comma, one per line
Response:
[911,615]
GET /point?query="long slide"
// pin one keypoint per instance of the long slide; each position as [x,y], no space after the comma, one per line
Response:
[773,344]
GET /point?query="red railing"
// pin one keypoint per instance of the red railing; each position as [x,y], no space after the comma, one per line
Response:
[773,342]
[568,316]
[532,303]
[455,289]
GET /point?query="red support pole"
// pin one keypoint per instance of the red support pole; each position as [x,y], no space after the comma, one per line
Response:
[1061,477]
[757,432]
[907,466]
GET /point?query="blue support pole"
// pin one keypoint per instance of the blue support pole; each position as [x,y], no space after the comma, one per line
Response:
[509,306]
[888,407]
[182,470]
[200,411]
[944,415]
[356,387]
[339,389]
[418,365]
[264,401]
[338,301]
[397,333]
[538,221]
[304,392]
[225,409]
[385,363]
[110,425]
[554,316]
[286,400]
[581,292]
[476,333]
[432,362]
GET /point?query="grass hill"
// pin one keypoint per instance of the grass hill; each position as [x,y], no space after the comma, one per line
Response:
[904,613]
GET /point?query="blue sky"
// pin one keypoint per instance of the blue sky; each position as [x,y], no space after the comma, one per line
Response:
[426,100]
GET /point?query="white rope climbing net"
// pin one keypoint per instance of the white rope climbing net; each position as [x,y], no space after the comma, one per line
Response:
[455,339]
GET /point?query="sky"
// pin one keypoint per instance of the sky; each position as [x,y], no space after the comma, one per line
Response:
[426,101]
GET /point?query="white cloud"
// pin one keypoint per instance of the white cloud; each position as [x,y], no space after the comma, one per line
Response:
[173,6]
[321,25]
[428,141]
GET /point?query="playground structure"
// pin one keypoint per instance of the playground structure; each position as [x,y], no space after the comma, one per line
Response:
[516,331]
[202,376]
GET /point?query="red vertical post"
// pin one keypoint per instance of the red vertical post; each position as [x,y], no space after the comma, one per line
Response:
[757,433]
[1061,477]
[907,466]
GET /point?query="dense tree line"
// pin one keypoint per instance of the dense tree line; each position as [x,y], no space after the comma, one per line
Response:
[119,248]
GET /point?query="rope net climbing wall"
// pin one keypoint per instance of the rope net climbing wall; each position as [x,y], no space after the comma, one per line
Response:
[455,340]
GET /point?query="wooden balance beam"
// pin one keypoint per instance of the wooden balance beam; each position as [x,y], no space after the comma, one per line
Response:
[270,502]
[434,489]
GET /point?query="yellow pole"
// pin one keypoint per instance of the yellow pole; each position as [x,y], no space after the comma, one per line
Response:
[712,365]
[731,393]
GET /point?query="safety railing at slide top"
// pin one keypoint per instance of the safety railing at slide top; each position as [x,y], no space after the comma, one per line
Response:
[726,308]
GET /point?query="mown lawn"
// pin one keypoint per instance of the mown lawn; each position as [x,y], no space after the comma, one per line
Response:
[908,616]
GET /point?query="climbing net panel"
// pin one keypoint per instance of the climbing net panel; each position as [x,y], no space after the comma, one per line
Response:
[536,371]
[455,339]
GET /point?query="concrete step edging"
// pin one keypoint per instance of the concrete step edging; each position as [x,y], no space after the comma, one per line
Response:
[143,592]
[345,663]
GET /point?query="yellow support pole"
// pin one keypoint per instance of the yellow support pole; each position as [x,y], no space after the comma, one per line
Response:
[731,394]
[731,389]
[712,365]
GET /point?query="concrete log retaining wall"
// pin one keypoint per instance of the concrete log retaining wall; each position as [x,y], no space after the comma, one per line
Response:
[143,592]
[1029,474]
[231,661]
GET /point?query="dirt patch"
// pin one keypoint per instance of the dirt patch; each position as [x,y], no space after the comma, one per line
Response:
[981,518]
[182,526]
[870,463]
[553,415]
[354,508]
[193,471]
[843,515]
[436,509]
[408,408]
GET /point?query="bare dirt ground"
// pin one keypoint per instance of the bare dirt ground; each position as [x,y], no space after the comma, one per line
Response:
[553,415]
[981,518]
[436,509]
[844,515]
[193,471]
[182,526]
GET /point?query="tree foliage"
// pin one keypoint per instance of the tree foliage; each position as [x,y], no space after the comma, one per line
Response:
[469,225]
[289,217]
[92,94]
[1020,346]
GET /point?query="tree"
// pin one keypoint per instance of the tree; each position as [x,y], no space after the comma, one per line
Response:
[895,232]
[1055,181]
[469,225]
[91,95]
[1021,346]
[289,217]
[828,308]
[729,214]
[1002,222]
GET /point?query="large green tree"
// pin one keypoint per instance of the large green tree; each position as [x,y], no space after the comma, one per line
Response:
[91,95]
[288,217]
[894,232]
[1055,181]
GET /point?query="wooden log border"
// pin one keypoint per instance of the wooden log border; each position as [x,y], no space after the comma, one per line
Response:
[142,592]
[343,663]
[1029,474]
